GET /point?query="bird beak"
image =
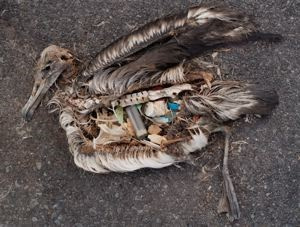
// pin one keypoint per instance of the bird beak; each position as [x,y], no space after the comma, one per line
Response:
[43,81]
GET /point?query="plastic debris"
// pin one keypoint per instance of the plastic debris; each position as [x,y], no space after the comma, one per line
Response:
[119,113]
[155,109]
[162,120]
[129,127]
[173,106]
[157,139]
[137,121]
[154,129]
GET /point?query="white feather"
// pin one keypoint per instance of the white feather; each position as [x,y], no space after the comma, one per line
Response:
[103,162]
[198,141]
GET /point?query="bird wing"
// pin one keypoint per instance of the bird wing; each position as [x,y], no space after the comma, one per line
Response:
[155,53]
[213,23]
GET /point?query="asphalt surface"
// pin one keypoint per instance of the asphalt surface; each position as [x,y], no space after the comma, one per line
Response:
[40,185]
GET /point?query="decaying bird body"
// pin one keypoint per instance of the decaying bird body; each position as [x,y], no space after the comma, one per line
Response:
[146,101]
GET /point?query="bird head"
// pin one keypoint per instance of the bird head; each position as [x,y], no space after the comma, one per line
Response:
[54,63]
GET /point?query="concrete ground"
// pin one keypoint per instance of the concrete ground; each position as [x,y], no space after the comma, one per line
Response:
[40,185]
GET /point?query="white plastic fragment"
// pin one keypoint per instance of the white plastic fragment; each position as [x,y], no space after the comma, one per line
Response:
[154,129]
[162,120]
[157,139]
[155,109]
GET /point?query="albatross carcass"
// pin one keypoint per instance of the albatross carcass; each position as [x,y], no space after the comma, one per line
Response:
[146,100]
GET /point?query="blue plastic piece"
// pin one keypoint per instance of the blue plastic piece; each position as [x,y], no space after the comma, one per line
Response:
[173,106]
[163,119]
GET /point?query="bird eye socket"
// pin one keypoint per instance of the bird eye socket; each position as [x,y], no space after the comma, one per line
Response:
[64,58]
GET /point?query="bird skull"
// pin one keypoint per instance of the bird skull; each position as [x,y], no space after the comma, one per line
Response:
[53,63]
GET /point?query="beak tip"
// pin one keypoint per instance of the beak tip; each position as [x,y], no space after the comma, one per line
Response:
[26,114]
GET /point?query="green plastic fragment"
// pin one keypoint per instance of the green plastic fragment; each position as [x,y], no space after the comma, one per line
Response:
[139,107]
[119,113]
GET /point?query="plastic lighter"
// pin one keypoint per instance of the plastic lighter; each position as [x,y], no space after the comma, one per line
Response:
[136,121]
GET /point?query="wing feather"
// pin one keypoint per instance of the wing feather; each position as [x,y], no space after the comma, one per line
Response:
[153,32]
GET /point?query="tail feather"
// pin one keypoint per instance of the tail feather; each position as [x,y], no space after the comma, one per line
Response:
[228,100]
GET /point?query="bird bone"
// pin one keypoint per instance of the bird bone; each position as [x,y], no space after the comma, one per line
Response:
[151,95]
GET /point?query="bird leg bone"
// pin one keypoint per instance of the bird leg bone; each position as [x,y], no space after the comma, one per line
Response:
[228,203]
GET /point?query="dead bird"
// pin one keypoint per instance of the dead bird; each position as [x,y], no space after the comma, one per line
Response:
[105,107]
